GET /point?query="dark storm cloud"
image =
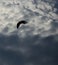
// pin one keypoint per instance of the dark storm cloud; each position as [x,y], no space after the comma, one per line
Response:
[11,40]
[44,52]
[10,57]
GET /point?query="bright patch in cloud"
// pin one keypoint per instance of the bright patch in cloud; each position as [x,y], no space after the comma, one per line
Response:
[39,17]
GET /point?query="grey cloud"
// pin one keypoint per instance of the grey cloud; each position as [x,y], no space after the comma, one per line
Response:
[44,52]
[54,26]
[10,57]
[31,49]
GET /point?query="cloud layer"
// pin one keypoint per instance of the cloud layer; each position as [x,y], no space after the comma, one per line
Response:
[40,16]
[35,43]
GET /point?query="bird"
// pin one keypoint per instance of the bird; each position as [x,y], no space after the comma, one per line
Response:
[21,22]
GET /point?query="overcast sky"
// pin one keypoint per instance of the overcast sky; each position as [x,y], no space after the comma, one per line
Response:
[34,43]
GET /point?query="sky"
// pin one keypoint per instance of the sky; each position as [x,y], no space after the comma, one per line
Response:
[35,43]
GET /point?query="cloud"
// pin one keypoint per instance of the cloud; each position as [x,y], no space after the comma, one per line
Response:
[34,43]
[31,50]
[11,13]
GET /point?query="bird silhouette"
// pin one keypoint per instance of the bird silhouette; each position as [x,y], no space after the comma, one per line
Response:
[21,22]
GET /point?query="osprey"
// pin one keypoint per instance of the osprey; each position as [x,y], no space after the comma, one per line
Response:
[21,22]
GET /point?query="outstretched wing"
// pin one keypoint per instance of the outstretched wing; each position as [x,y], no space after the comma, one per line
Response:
[18,24]
[21,22]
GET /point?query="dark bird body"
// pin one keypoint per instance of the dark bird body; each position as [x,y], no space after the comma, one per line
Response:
[21,22]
